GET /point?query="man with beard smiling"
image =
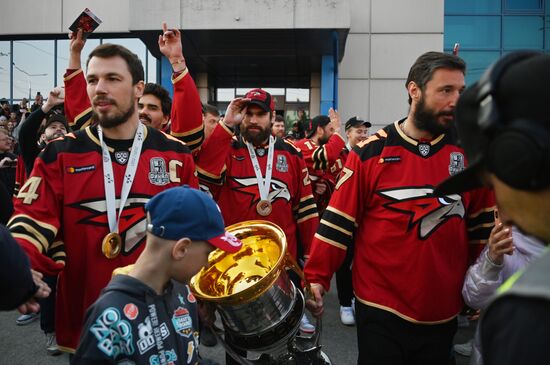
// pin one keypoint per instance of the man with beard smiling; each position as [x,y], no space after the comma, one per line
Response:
[411,246]
[91,188]
[256,175]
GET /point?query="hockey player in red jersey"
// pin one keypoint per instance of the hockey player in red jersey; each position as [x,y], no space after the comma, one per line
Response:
[321,150]
[91,186]
[258,176]
[411,246]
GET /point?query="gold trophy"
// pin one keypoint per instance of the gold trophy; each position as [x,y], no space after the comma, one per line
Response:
[259,306]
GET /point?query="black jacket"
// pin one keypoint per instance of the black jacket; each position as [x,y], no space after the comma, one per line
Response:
[16,284]
[130,322]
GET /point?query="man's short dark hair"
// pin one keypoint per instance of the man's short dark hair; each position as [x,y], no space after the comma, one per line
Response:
[425,66]
[210,109]
[162,94]
[109,50]
[279,118]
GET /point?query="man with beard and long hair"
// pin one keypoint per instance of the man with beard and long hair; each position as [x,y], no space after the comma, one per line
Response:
[256,175]
[412,248]
[90,187]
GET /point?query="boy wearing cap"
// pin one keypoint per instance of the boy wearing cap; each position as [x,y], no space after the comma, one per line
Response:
[149,316]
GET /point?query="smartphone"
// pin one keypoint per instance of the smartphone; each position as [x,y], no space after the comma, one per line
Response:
[497,219]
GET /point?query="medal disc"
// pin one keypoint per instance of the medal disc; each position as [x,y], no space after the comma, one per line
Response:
[264,207]
[111,245]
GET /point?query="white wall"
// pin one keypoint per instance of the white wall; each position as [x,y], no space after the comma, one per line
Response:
[385,38]
[55,16]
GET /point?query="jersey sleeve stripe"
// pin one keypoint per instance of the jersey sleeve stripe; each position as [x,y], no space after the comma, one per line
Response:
[180,76]
[338,228]
[339,219]
[207,177]
[307,217]
[81,116]
[68,77]
[307,197]
[330,242]
[188,133]
[28,230]
[334,234]
[31,239]
[57,251]
[28,219]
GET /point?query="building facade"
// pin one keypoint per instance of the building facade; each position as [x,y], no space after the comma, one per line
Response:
[353,55]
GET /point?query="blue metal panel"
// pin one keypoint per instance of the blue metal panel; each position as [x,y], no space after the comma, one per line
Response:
[327,83]
[166,75]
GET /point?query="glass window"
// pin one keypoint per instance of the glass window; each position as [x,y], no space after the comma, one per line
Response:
[472,31]
[477,63]
[33,68]
[522,32]
[472,6]
[225,94]
[5,70]
[63,56]
[530,5]
[297,95]
[151,74]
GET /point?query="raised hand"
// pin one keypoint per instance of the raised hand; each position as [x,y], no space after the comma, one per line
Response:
[235,111]
[170,46]
[500,243]
[55,97]
[334,119]
[75,49]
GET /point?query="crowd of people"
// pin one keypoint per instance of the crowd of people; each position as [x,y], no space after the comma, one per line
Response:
[97,181]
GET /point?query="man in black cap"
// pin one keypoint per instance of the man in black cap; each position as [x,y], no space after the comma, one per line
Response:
[503,122]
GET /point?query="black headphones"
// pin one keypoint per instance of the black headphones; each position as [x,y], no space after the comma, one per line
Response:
[519,150]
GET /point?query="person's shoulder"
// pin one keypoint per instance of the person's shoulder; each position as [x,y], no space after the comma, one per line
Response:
[80,141]
[287,146]
[161,141]
[374,145]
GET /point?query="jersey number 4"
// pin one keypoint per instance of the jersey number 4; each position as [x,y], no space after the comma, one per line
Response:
[28,190]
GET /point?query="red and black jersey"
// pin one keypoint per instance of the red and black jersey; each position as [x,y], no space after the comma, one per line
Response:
[323,164]
[64,197]
[411,247]
[225,167]
[186,114]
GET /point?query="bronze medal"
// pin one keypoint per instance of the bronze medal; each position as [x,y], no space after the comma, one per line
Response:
[264,208]
[111,245]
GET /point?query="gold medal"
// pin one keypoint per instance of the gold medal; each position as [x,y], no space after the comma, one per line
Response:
[111,245]
[264,208]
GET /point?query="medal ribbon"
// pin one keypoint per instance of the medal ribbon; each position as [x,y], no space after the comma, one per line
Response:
[109,176]
[263,184]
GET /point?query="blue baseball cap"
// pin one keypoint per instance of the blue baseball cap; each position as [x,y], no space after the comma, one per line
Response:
[186,212]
